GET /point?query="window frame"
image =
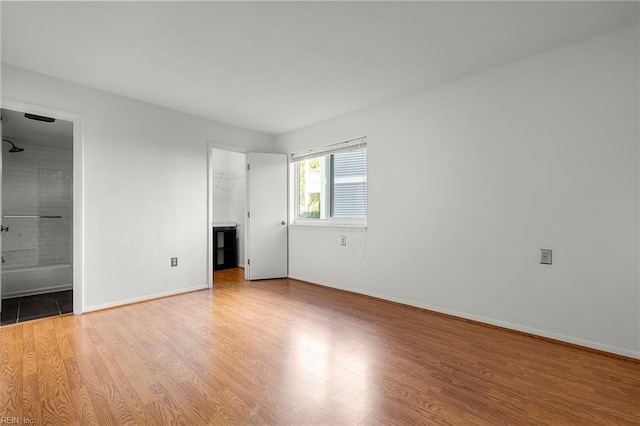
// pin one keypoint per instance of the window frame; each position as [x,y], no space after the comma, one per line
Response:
[326,151]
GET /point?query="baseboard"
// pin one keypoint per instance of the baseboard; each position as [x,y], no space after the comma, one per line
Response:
[534,332]
[40,290]
[142,299]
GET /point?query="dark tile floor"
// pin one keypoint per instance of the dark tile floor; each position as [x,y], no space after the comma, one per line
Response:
[20,309]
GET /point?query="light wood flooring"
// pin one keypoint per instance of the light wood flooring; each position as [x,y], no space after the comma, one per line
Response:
[284,352]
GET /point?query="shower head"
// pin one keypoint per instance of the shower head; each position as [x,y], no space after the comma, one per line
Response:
[13,148]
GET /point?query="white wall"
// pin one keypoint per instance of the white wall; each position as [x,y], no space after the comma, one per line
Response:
[468,180]
[238,200]
[221,184]
[145,181]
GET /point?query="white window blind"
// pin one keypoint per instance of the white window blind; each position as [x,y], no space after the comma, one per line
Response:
[349,184]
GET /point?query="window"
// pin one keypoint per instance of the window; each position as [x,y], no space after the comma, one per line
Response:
[331,184]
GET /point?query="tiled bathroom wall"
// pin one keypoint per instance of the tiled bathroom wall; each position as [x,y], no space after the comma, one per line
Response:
[37,182]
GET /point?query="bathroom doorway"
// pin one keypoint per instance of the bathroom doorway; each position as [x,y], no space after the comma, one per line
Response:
[37,216]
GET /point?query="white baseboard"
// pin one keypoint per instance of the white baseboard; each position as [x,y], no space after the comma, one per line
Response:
[490,321]
[143,298]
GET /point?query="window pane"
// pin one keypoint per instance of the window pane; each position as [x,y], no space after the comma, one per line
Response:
[310,187]
[349,184]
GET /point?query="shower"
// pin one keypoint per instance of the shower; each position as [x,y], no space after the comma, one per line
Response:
[37,208]
[13,148]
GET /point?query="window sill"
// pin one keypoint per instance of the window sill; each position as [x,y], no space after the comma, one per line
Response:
[328,225]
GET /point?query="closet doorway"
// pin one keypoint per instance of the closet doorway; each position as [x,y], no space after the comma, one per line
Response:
[228,183]
[249,190]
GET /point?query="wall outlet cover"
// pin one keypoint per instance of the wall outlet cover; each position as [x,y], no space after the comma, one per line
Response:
[343,240]
[545,256]
[174,261]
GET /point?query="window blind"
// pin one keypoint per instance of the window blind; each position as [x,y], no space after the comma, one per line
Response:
[349,183]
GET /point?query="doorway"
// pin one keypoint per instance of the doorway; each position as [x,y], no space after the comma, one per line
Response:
[228,182]
[39,183]
[262,217]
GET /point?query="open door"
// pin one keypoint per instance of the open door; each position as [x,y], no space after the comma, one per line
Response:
[267,216]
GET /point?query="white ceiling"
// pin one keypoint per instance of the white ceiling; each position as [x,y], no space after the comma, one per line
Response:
[278,66]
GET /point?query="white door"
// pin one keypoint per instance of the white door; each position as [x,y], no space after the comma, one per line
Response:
[267,216]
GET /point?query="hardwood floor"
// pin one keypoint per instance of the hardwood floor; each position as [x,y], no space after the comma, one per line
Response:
[287,352]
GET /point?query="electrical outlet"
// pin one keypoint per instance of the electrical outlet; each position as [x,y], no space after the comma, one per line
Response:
[343,240]
[174,261]
[545,256]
